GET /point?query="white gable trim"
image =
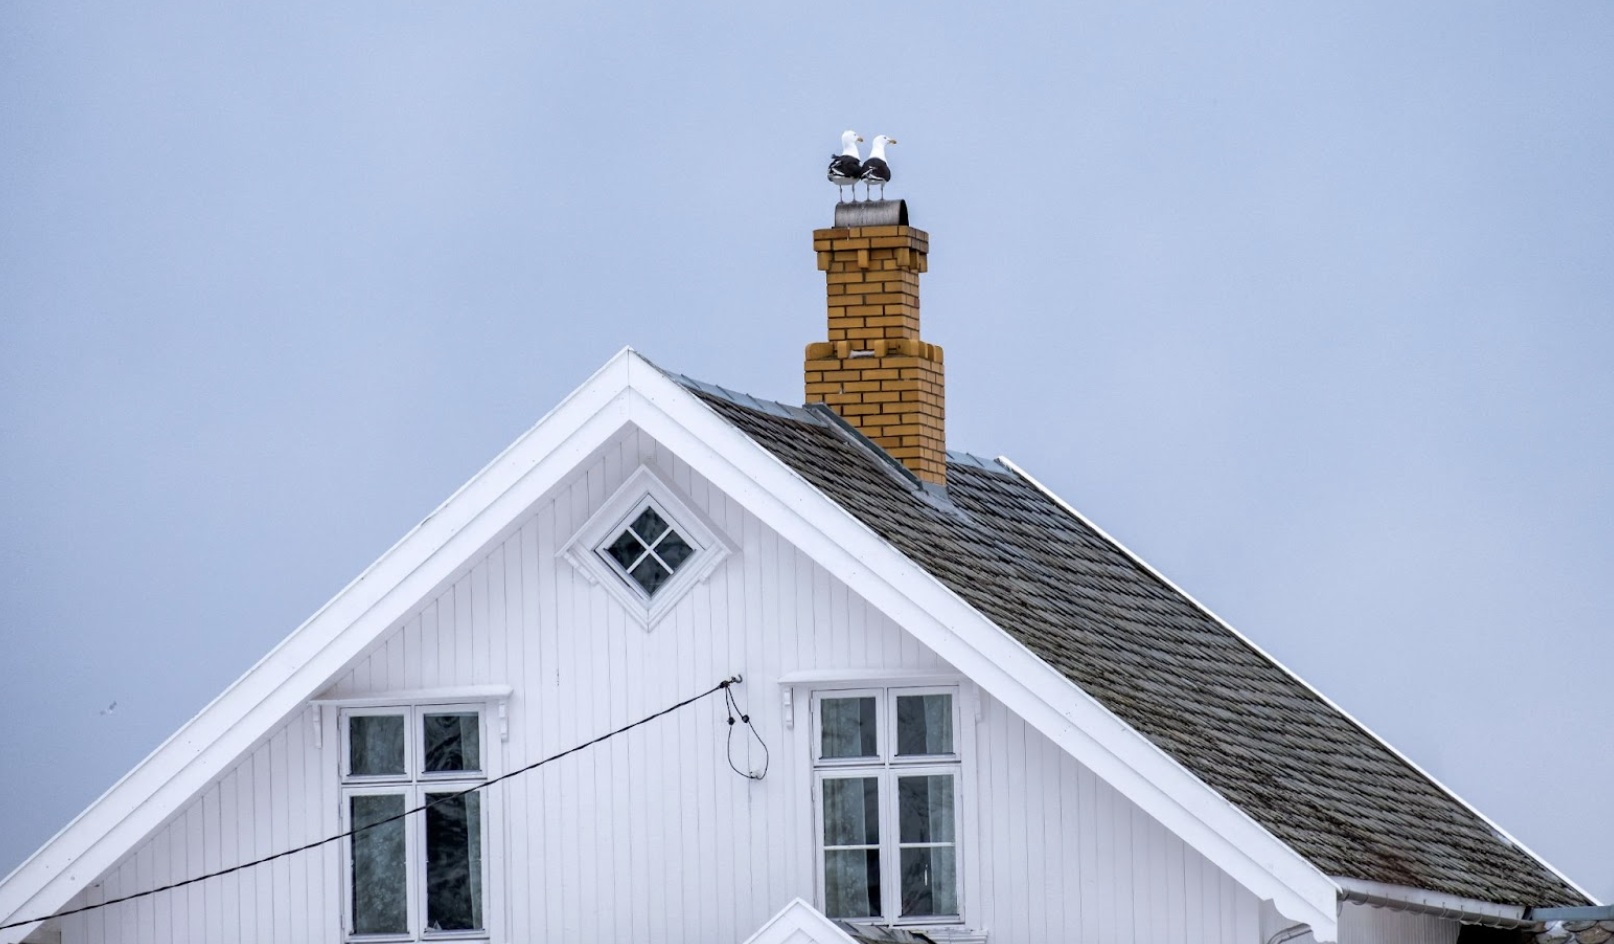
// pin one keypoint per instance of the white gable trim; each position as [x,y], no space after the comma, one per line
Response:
[995,660]
[799,923]
[306,661]
[628,389]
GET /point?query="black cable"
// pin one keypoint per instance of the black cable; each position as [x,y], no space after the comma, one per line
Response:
[734,709]
[722,686]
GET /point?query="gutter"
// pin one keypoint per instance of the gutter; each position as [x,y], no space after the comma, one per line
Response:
[1421,901]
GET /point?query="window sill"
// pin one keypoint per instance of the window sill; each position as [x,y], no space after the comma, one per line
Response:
[943,932]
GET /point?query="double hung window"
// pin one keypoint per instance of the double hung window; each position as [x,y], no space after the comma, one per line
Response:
[418,876]
[887,785]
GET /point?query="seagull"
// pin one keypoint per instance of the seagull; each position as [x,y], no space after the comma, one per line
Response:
[109,708]
[845,167]
[875,169]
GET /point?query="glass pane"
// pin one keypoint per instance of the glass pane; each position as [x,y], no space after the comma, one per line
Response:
[848,727]
[380,884]
[852,811]
[852,883]
[454,862]
[375,744]
[929,881]
[649,525]
[925,809]
[625,549]
[453,742]
[674,550]
[924,724]
[650,575]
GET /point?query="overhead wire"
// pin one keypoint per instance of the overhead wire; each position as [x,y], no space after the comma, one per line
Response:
[750,773]
[723,686]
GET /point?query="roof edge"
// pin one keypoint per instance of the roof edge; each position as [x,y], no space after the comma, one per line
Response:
[295,669]
[1027,685]
[1149,568]
[1438,904]
[799,923]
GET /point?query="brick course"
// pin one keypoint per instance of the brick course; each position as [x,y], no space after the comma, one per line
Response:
[873,368]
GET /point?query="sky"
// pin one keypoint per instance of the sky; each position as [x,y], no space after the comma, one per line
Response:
[1309,305]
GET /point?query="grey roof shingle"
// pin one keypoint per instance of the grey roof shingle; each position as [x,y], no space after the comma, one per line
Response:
[1243,725]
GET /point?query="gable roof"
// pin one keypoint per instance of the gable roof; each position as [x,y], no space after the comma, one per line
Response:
[1286,756]
[763,455]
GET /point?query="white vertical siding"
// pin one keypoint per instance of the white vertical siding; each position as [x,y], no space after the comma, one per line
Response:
[1062,856]
[1365,924]
[651,836]
[281,795]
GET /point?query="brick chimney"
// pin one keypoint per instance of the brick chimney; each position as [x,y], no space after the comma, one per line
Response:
[874,370]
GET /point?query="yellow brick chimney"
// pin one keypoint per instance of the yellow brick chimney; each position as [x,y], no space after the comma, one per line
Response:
[874,370]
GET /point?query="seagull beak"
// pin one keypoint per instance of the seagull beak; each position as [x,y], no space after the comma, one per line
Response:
[891,140]
[860,139]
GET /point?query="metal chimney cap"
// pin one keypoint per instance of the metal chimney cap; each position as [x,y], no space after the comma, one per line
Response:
[871,213]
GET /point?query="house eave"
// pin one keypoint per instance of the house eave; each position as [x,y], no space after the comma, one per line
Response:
[630,390]
[1230,628]
[1438,904]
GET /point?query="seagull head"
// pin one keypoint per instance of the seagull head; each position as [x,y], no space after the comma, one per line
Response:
[878,148]
[849,140]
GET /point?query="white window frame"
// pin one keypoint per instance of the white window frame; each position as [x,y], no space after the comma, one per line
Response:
[887,767]
[644,489]
[414,784]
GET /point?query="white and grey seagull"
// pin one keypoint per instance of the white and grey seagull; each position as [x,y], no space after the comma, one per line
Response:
[845,167]
[875,169]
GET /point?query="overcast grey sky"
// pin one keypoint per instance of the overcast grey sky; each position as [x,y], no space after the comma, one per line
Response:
[1308,304]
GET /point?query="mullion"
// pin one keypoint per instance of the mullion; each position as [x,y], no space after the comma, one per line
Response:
[651,550]
[642,554]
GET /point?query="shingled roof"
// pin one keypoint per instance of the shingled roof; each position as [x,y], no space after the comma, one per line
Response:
[1245,726]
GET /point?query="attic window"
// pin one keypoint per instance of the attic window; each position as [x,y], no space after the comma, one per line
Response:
[646,545]
[649,551]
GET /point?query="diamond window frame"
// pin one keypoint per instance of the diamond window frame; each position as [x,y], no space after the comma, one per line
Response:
[588,550]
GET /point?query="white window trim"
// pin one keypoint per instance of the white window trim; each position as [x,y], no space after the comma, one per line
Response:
[645,489]
[414,785]
[961,764]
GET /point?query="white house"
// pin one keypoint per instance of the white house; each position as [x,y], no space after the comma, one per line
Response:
[973,716]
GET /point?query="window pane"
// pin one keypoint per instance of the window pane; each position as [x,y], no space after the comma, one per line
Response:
[924,724]
[848,727]
[674,550]
[852,883]
[375,744]
[453,742]
[649,525]
[929,881]
[650,575]
[453,862]
[380,885]
[625,549]
[852,811]
[925,809]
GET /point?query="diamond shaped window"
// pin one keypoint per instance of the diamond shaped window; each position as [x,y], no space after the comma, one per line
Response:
[649,551]
[647,545]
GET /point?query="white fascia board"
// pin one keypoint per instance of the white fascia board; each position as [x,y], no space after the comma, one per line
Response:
[1140,562]
[799,923]
[990,656]
[305,662]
